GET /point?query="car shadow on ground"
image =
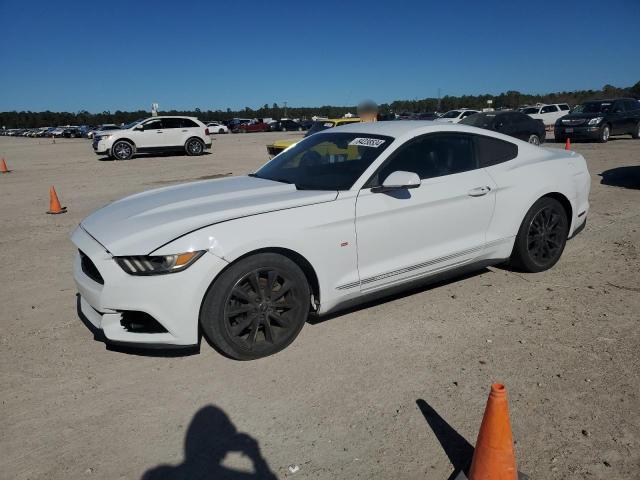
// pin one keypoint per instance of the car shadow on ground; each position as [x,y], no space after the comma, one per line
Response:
[455,446]
[624,177]
[142,156]
[211,436]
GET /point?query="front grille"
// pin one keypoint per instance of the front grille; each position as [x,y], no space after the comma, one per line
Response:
[90,269]
[573,121]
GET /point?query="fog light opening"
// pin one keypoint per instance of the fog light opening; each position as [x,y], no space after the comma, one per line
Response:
[140,322]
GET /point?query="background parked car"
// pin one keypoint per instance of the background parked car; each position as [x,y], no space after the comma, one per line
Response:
[236,122]
[599,119]
[285,125]
[217,127]
[103,128]
[252,126]
[455,116]
[72,132]
[547,113]
[514,124]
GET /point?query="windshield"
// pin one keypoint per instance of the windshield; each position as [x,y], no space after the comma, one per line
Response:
[482,120]
[319,126]
[593,107]
[326,161]
[530,110]
[451,114]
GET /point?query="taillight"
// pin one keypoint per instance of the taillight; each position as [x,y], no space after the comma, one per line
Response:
[206,131]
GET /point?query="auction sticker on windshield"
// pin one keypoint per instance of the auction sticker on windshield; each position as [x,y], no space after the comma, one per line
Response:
[367,142]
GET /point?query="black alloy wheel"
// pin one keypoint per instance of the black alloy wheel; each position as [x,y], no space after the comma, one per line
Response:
[544,239]
[257,307]
[542,236]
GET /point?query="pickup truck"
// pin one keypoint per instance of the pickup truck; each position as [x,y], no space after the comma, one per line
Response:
[599,119]
[548,113]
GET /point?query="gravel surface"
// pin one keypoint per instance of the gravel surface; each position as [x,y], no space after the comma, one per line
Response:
[395,389]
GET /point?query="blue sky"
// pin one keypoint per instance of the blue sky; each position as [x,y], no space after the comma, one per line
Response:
[124,55]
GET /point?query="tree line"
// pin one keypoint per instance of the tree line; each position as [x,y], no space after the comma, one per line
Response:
[509,99]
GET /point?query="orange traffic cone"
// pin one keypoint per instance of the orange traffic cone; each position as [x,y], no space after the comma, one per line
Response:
[3,167]
[567,144]
[54,203]
[493,458]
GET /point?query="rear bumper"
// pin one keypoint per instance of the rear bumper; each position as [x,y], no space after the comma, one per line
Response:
[172,300]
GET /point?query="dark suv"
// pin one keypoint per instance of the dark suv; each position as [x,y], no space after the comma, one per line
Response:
[599,119]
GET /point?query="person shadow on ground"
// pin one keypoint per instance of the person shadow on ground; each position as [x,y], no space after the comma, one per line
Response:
[210,437]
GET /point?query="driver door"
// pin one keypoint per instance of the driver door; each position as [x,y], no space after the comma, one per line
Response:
[408,233]
[151,135]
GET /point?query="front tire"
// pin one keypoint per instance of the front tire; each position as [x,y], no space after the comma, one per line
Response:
[122,150]
[534,140]
[605,133]
[636,132]
[256,307]
[542,236]
[194,146]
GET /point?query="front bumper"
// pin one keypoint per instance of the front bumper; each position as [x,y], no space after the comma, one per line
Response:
[591,132]
[100,147]
[172,300]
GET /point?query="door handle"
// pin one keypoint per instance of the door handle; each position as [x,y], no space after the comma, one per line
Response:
[479,191]
[185,130]
[159,131]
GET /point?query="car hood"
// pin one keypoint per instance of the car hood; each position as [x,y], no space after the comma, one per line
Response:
[141,223]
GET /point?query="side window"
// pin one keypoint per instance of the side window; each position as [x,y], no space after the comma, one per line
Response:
[172,122]
[492,151]
[549,109]
[618,107]
[153,125]
[564,107]
[466,114]
[432,156]
[633,105]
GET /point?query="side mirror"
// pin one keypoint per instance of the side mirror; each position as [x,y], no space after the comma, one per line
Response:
[398,180]
[139,127]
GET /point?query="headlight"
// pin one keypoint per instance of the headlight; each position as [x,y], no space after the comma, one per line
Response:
[104,137]
[158,265]
[595,121]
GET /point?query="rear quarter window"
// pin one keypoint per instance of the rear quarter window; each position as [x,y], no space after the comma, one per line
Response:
[188,123]
[492,151]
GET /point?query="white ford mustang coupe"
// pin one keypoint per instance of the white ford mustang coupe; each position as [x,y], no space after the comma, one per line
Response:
[341,216]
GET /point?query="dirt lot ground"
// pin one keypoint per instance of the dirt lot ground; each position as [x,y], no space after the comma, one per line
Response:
[393,390]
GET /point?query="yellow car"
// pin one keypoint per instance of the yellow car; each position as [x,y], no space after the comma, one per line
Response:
[276,147]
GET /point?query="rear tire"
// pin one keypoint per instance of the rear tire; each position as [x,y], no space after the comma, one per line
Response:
[542,236]
[534,140]
[194,146]
[256,307]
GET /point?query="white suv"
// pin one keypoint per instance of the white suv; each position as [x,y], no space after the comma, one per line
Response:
[155,134]
[454,116]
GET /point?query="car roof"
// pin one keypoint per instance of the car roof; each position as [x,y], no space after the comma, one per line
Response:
[400,128]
